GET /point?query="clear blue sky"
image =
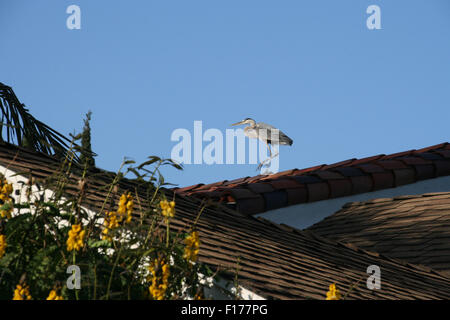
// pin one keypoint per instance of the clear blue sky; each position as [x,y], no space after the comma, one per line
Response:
[311,68]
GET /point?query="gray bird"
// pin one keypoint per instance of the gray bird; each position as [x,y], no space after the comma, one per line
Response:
[264,132]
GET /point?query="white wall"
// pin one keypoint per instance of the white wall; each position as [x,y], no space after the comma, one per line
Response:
[303,215]
[20,184]
[221,289]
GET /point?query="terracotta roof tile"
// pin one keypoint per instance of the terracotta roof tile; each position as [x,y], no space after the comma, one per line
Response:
[371,168]
[235,181]
[210,186]
[339,188]
[430,156]
[349,171]
[255,179]
[252,205]
[391,164]
[442,168]
[414,161]
[306,179]
[242,193]
[364,175]
[361,184]
[285,184]
[276,199]
[306,170]
[297,195]
[259,187]
[404,176]
[213,194]
[277,175]
[328,175]
[444,153]
[290,172]
[338,164]
[367,160]
[437,146]
[398,154]
[318,191]
[189,188]
[382,180]
[424,172]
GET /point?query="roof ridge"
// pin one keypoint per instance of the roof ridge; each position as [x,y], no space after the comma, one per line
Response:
[262,193]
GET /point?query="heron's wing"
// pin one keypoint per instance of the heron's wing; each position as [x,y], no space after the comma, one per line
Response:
[267,135]
[282,137]
[263,125]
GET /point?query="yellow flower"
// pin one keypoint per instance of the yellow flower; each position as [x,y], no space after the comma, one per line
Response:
[5,197]
[22,292]
[129,209]
[115,218]
[76,238]
[54,296]
[199,296]
[2,245]
[110,223]
[168,208]
[333,293]
[192,243]
[160,272]
[126,206]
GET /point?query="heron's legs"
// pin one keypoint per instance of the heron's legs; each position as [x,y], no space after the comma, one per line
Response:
[271,156]
[270,151]
[268,159]
[261,164]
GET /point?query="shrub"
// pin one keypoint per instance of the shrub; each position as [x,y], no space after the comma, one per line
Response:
[125,250]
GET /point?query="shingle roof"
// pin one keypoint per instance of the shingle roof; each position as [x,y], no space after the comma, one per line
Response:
[252,195]
[275,261]
[412,228]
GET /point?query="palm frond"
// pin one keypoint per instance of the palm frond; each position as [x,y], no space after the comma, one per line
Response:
[18,126]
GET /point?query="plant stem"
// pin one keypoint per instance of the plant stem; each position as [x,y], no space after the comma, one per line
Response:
[74,263]
[112,273]
[167,233]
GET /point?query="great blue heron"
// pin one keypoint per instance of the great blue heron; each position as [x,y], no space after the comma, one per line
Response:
[266,133]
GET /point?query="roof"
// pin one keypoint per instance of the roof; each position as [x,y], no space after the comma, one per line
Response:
[252,195]
[412,228]
[274,261]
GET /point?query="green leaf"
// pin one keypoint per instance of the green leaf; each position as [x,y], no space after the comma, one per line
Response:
[135,172]
[99,243]
[6,206]
[148,162]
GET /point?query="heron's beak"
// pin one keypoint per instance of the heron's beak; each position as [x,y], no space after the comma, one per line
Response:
[237,123]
